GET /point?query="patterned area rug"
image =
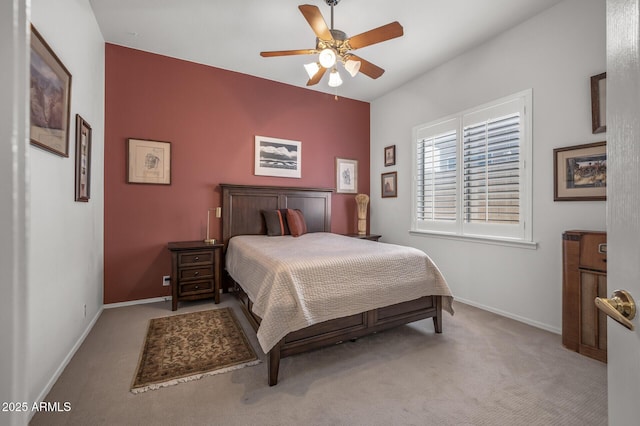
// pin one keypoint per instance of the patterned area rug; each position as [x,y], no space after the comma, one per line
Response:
[186,347]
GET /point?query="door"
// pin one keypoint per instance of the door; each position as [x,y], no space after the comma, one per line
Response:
[623,202]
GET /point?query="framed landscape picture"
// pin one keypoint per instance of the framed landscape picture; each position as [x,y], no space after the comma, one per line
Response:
[580,172]
[148,162]
[50,98]
[346,176]
[278,157]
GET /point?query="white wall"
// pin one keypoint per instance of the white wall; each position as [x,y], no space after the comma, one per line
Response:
[554,53]
[66,241]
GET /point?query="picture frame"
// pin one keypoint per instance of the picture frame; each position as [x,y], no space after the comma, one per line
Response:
[50,98]
[599,103]
[83,160]
[389,184]
[389,155]
[580,172]
[148,162]
[278,157]
[346,176]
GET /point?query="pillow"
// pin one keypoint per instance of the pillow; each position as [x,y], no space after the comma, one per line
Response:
[276,221]
[296,222]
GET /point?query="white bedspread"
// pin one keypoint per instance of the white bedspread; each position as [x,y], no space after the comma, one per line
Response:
[297,282]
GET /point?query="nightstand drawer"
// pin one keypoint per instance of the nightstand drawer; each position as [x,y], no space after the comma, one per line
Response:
[189,273]
[195,258]
[196,287]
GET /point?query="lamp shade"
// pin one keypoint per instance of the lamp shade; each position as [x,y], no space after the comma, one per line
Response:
[352,67]
[327,58]
[334,78]
[312,68]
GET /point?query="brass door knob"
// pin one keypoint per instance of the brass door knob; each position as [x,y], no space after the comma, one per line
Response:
[621,307]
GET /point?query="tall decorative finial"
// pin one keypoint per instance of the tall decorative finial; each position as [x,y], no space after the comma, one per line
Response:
[362,200]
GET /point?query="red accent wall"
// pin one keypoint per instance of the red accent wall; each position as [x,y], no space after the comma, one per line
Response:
[210,116]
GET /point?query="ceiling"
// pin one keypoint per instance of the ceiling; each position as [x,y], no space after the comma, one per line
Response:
[231,34]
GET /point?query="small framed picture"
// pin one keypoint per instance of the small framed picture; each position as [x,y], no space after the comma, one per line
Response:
[346,176]
[390,155]
[580,172]
[148,162]
[50,101]
[83,159]
[599,103]
[277,157]
[389,184]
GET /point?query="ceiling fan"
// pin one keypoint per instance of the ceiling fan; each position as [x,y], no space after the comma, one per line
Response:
[333,46]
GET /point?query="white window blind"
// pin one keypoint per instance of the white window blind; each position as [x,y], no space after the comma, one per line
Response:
[470,174]
[492,171]
[436,190]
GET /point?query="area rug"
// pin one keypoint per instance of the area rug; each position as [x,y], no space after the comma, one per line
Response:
[186,347]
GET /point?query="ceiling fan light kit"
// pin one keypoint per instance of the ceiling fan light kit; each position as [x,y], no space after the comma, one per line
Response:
[333,46]
[312,68]
[334,78]
[327,58]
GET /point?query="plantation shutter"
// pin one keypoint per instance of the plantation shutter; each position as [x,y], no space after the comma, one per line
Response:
[491,158]
[436,177]
[471,177]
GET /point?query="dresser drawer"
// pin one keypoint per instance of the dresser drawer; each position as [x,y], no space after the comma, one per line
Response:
[196,287]
[191,273]
[193,258]
[593,254]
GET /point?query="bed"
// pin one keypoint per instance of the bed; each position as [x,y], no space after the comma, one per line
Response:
[299,301]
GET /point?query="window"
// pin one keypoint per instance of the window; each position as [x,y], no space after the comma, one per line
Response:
[472,175]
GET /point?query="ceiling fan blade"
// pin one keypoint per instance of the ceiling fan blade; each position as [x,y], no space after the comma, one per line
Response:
[316,21]
[377,35]
[288,52]
[367,68]
[317,77]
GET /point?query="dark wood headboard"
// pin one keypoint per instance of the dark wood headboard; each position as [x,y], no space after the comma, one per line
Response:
[242,206]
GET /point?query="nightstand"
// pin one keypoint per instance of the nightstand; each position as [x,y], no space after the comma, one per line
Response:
[195,271]
[372,237]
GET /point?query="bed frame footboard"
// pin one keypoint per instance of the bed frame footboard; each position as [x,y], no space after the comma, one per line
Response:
[345,328]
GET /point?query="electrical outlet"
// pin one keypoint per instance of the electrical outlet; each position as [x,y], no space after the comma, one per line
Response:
[166,280]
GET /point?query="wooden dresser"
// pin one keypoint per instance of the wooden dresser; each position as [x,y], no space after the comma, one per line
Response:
[584,277]
[195,271]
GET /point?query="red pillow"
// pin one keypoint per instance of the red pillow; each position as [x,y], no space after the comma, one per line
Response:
[295,220]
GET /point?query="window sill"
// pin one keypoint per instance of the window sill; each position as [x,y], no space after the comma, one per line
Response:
[507,242]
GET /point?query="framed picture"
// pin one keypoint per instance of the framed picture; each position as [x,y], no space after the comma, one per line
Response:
[390,184]
[50,98]
[148,162]
[390,155]
[278,157]
[346,176]
[599,103]
[580,172]
[83,159]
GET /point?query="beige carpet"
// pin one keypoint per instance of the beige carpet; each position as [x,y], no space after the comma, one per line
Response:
[181,348]
[483,370]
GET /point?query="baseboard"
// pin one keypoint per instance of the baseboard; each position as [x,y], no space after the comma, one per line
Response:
[510,315]
[43,394]
[137,302]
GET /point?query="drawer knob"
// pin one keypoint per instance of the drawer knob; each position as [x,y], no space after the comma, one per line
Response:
[196,273]
[197,258]
[197,287]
